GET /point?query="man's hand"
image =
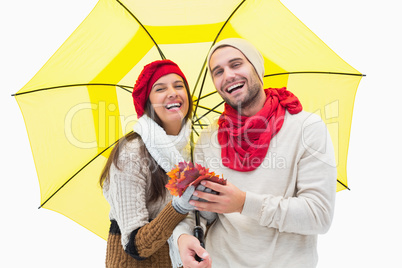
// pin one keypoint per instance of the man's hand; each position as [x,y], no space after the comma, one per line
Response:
[230,198]
[189,246]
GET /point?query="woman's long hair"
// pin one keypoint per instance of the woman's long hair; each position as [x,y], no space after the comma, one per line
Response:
[158,175]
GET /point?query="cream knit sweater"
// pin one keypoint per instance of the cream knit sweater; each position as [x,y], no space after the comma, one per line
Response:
[289,199]
[127,191]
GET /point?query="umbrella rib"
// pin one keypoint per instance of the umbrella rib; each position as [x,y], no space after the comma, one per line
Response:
[208,112]
[199,124]
[198,79]
[77,173]
[226,22]
[124,88]
[314,72]
[73,85]
[143,27]
[206,108]
[199,95]
[195,131]
[213,43]
[205,61]
[343,184]
[207,95]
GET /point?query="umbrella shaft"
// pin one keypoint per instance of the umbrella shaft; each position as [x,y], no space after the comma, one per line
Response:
[199,234]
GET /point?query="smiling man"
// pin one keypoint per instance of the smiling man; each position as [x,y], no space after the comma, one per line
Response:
[237,81]
[269,215]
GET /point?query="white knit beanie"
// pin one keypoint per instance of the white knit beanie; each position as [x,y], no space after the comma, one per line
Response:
[248,50]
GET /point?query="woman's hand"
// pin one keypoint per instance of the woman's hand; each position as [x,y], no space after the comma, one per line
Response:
[181,204]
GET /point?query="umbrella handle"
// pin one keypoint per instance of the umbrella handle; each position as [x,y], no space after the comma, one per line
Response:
[198,233]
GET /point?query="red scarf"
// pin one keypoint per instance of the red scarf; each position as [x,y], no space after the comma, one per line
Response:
[245,140]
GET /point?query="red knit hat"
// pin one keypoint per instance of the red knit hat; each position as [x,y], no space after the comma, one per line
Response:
[149,75]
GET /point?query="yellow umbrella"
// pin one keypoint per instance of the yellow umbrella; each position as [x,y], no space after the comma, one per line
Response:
[79,104]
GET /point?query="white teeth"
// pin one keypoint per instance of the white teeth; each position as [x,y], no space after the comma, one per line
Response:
[234,86]
[171,105]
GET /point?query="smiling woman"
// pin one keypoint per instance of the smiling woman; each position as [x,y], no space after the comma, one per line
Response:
[169,99]
[142,212]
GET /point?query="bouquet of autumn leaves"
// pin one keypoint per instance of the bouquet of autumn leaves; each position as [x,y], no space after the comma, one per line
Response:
[188,174]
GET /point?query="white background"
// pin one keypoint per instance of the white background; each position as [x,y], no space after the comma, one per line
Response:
[366,230]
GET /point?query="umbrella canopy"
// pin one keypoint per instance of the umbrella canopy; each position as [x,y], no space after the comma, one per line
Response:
[79,104]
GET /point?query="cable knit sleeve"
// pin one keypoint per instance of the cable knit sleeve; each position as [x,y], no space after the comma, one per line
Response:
[126,191]
[150,237]
[311,210]
[126,194]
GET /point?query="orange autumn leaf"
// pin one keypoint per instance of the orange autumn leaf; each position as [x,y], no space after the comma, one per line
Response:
[185,174]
